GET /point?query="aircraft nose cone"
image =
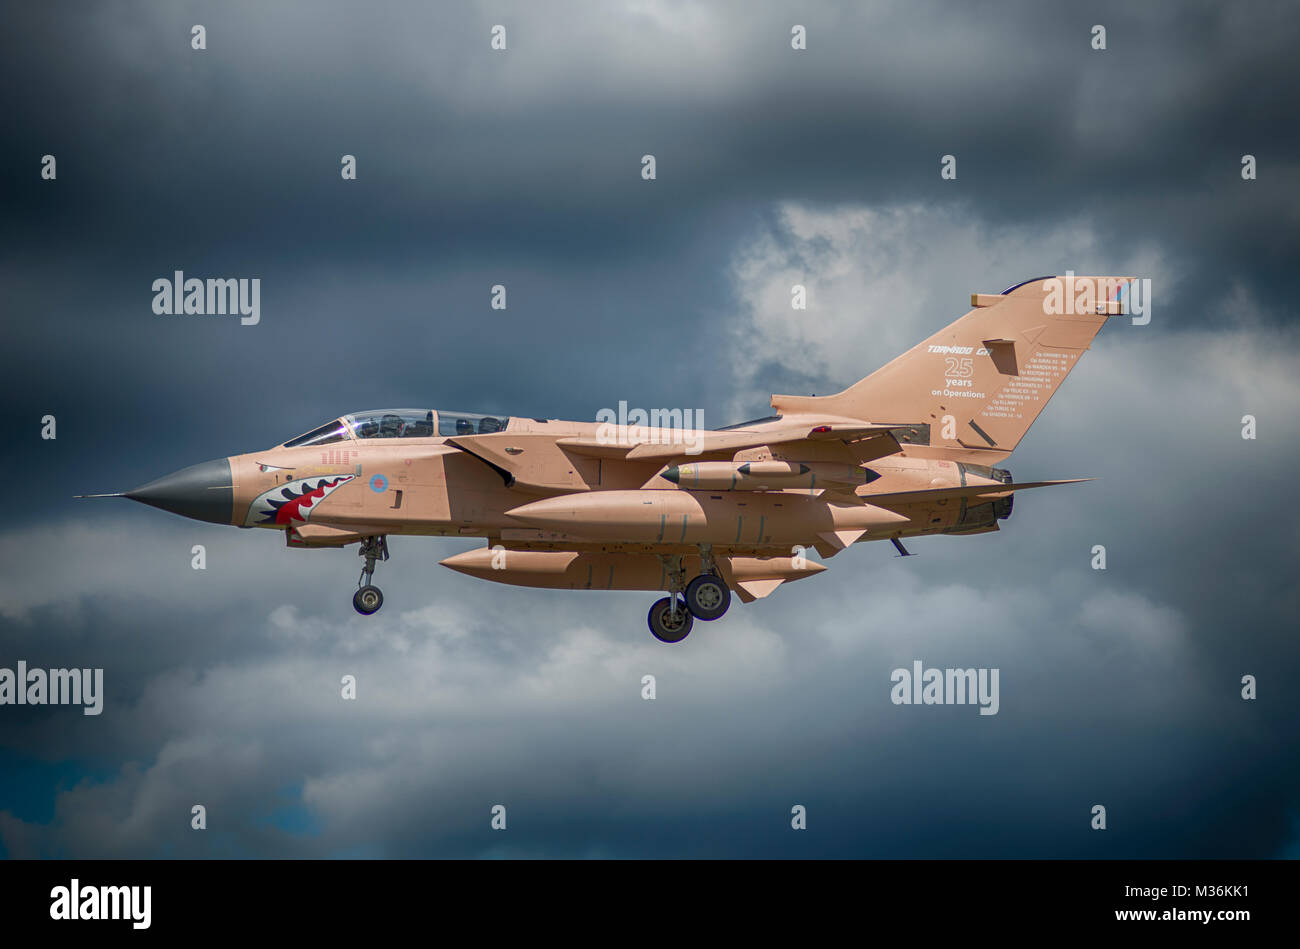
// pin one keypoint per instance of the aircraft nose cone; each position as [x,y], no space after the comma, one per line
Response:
[204,492]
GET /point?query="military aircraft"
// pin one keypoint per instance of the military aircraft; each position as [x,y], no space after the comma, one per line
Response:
[698,514]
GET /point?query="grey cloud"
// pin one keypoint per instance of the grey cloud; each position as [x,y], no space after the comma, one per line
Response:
[1118,687]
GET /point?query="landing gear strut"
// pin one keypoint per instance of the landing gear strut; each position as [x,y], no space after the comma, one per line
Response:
[705,598]
[708,596]
[670,620]
[368,598]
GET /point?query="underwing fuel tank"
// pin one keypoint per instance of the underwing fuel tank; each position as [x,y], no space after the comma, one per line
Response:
[697,517]
[570,570]
[766,475]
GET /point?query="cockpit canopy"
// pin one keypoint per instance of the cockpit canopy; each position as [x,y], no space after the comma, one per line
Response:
[392,423]
[401,423]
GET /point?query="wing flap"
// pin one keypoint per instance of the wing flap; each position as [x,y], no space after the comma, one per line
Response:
[621,445]
[751,590]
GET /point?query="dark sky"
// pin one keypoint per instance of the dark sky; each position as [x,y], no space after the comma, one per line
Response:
[522,168]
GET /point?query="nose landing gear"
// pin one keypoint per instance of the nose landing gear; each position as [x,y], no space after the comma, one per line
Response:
[368,599]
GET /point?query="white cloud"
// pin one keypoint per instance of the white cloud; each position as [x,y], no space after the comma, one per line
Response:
[879,280]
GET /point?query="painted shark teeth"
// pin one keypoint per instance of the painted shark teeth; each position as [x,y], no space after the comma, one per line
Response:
[295,502]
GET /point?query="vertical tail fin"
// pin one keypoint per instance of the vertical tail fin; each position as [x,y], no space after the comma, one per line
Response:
[980,382]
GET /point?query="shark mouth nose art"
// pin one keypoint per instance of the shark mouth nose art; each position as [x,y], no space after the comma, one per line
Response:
[292,503]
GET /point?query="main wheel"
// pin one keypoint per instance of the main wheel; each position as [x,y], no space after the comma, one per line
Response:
[668,625]
[367,600]
[707,596]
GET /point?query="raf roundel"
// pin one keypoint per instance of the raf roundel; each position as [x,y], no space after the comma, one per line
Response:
[379,484]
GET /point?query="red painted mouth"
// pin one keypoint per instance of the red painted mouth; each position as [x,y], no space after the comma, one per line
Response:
[295,502]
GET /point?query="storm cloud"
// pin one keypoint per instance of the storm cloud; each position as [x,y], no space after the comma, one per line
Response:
[522,168]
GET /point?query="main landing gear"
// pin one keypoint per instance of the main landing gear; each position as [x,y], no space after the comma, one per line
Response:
[368,598]
[706,598]
[670,621]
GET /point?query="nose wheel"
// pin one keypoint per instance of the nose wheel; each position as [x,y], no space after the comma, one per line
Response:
[368,598]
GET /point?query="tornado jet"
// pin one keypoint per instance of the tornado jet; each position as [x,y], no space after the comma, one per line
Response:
[911,450]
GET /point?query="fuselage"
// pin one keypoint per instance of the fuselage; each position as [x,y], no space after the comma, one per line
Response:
[350,482]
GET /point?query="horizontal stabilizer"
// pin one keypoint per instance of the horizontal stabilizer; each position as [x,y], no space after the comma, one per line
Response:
[978,492]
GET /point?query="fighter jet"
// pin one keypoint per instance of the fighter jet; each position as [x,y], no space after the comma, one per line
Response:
[908,451]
